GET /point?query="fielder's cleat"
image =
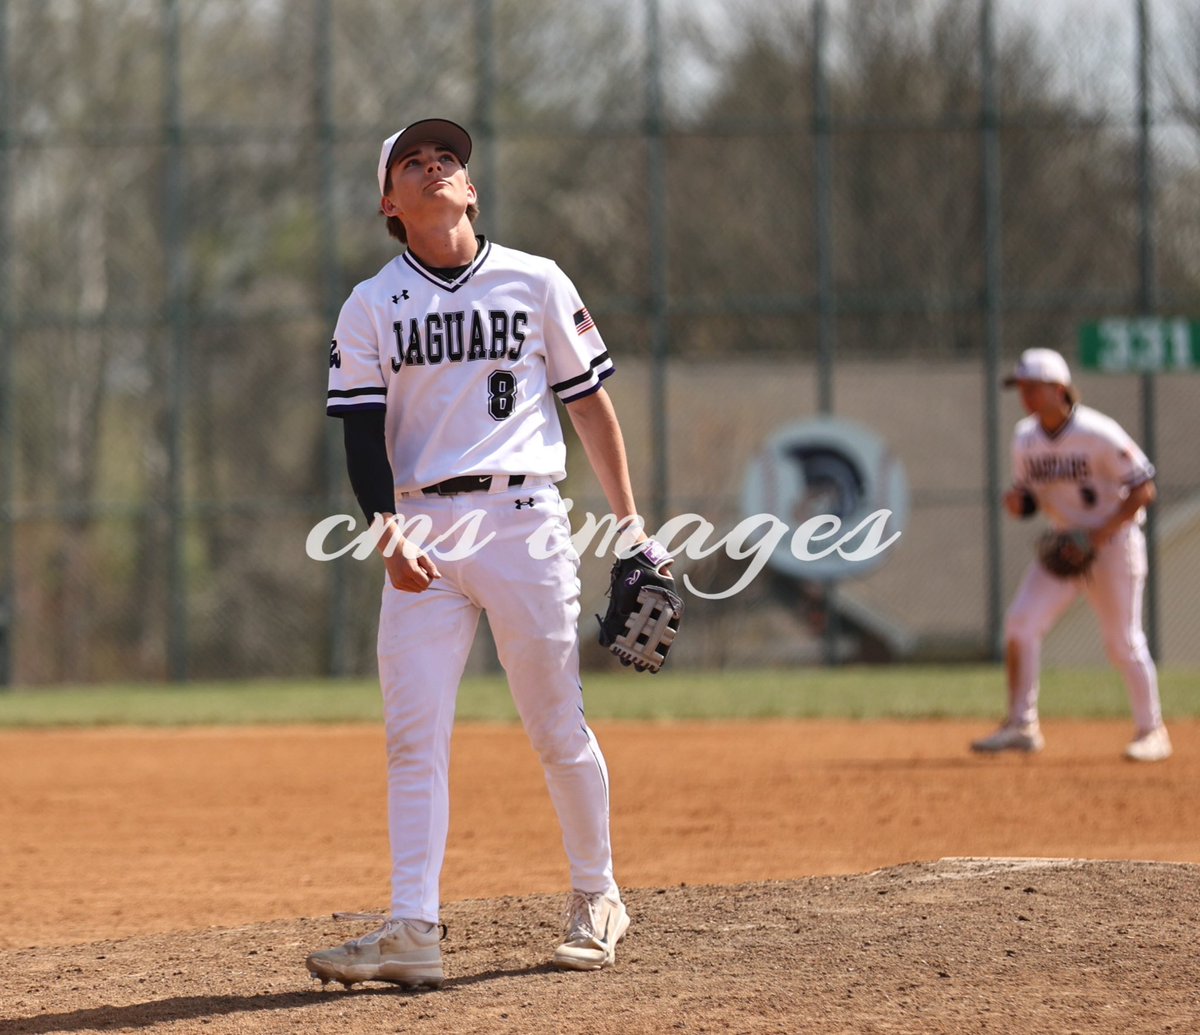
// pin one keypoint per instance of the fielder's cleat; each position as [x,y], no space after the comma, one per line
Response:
[595,923]
[1026,737]
[1154,746]
[398,952]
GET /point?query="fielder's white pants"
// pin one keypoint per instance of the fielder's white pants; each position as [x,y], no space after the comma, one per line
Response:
[1114,591]
[424,640]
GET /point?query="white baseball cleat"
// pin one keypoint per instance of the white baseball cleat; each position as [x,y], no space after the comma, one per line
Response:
[398,952]
[1025,737]
[595,923]
[1154,746]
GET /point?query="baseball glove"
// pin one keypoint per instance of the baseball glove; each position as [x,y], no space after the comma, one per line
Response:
[1066,554]
[643,609]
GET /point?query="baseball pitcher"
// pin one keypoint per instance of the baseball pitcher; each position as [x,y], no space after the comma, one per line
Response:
[444,368]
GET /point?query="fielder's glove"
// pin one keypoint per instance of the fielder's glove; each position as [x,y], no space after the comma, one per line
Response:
[643,609]
[1066,554]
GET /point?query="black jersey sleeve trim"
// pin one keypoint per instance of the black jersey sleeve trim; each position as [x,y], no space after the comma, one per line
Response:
[585,376]
[351,393]
[591,389]
[341,401]
[341,409]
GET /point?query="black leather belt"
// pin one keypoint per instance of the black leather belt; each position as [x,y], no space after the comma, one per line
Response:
[470,483]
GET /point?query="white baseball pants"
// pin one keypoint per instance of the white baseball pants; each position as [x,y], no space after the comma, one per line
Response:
[1114,591]
[424,640]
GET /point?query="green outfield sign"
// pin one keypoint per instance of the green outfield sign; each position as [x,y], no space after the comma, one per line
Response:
[1140,345]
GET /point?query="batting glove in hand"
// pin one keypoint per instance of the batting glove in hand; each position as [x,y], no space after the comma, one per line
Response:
[643,609]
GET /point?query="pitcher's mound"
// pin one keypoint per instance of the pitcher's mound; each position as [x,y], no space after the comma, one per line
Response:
[959,945]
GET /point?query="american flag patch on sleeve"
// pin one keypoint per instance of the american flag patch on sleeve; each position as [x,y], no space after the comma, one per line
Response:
[583,321]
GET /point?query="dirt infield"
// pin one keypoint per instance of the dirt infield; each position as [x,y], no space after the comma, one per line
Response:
[173,881]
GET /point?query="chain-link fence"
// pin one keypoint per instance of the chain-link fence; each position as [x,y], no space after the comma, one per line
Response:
[861,209]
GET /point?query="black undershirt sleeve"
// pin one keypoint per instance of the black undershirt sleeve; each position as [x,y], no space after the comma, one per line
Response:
[367,462]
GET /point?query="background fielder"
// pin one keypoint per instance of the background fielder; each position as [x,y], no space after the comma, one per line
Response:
[444,368]
[1084,472]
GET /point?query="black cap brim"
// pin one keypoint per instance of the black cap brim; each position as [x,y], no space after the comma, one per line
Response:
[442,131]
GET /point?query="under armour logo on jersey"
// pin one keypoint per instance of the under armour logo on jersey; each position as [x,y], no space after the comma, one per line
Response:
[403,294]
[525,503]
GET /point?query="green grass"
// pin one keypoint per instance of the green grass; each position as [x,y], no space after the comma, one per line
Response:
[904,692]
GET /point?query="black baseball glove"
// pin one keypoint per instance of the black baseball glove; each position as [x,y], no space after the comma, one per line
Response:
[643,609]
[1066,554]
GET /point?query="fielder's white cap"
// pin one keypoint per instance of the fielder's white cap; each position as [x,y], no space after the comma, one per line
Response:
[1043,365]
[441,131]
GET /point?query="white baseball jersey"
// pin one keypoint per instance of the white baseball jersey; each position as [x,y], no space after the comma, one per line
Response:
[465,369]
[1081,473]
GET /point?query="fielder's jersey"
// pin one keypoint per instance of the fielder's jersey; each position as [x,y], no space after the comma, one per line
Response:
[1081,473]
[465,369]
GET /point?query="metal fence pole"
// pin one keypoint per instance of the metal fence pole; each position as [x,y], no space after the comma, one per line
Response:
[992,320]
[823,203]
[659,284]
[485,121]
[175,236]
[826,303]
[8,575]
[1147,304]
[329,274]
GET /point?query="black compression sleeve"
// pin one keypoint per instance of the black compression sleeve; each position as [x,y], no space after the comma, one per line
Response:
[367,462]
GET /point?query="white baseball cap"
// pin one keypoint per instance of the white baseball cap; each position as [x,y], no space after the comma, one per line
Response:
[1043,365]
[441,131]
